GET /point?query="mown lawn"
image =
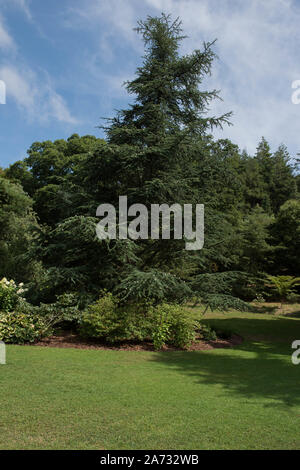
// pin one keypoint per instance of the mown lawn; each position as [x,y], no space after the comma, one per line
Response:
[242,398]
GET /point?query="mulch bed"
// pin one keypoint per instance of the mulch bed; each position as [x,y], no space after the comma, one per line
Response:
[72,340]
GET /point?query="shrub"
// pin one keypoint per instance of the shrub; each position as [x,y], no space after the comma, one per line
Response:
[259,298]
[293,298]
[172,325]
[108,320]
[18,328]
[283,286]
[10,294]
[63,312]
[165,323]
[207,333]
[100,319]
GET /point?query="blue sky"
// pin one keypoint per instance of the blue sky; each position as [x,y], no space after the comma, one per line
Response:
[64,61]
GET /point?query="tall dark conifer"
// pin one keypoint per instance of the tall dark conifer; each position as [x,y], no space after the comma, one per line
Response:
[156,138]
[160,151]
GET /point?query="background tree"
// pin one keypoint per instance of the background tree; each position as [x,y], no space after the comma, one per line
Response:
[283,182]
[283,286]
[286,235]
[18,228]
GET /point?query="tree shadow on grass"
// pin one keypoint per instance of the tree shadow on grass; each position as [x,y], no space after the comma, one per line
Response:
[268,309]
[293,314]
[254,369]
[274,330]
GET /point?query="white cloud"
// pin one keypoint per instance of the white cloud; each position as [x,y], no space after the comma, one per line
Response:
[21,4]
[32,91]
[35,95]
[58,109]
[6,41]
[258,45]
[117,18]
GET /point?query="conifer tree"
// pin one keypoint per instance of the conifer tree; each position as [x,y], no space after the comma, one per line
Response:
[160,151]
[283,184]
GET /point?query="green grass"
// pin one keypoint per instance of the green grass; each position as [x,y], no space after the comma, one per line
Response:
[242,398]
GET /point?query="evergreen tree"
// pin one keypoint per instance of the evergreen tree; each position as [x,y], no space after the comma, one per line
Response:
[160,151]
[283,183]
[255,187]
[263,157]
[286,235]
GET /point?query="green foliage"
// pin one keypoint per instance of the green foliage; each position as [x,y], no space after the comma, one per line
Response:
[152,286]
[164,324]
[255,246]
[24,322]
[18,227]
[8,298]
[283,185]
[100,320]
[108,321]
[283,285]
[19,328]
[81,256]
[64,311]
[207,333]
[225,302]
[216,290]
[171,325]
[285,232]
[10,295]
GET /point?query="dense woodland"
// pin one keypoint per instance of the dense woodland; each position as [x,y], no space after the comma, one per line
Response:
[158,150]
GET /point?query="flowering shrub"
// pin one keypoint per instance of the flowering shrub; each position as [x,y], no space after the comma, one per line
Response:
[10,294]
[19,321]
[18,328]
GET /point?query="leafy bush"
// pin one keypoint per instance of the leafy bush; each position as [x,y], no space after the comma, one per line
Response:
[100,319]
[21,322]
[207,333]
[10,294]
[293,298]
[64,311]
[171,325]
[165,323]
[18,328]
[283,286]
[107,320]
[259,298]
